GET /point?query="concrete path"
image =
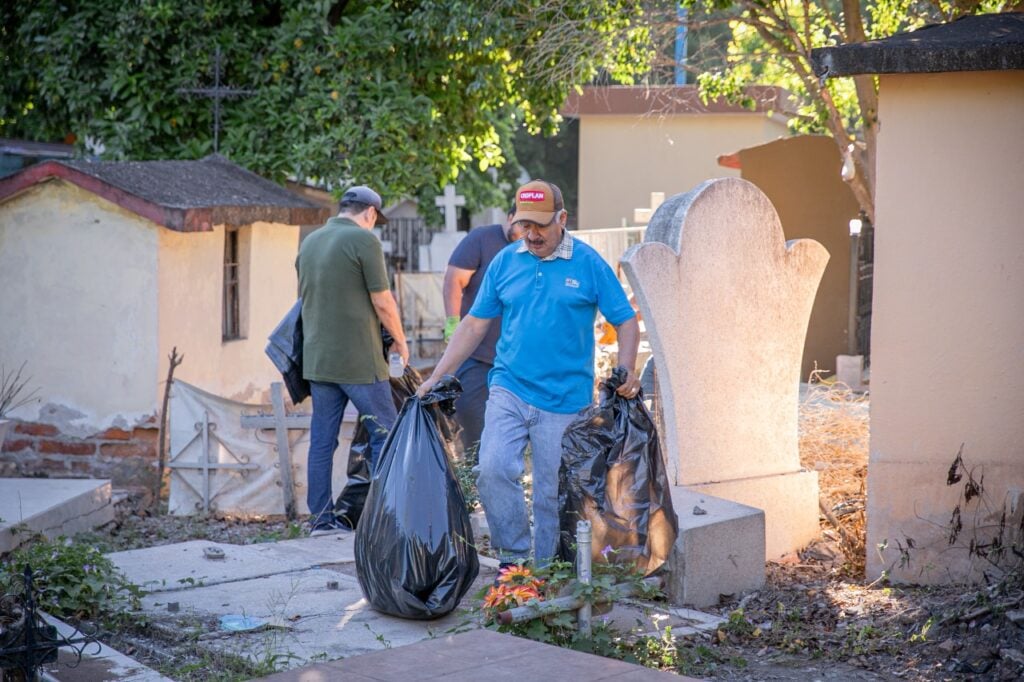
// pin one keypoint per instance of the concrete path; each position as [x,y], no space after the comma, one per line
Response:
[303,594]
[306,603]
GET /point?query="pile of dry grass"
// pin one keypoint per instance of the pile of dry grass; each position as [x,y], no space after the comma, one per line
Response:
[834,442]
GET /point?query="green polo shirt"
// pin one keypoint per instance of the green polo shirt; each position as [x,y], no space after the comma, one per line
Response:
[339,266]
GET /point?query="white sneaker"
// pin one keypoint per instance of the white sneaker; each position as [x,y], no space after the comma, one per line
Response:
[333,529]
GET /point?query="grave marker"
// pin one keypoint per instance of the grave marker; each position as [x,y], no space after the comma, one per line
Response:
[726,302]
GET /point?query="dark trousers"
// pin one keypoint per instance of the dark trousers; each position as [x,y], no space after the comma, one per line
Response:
[470,406]
[329,401]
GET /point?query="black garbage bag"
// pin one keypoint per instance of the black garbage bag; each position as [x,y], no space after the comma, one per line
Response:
[414,545]
[348,507]
[284,348]
[612,474]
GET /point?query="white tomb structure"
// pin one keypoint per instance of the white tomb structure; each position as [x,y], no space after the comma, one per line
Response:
[726,301]
[434,256]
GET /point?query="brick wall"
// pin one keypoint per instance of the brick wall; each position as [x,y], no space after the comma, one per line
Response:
[128,458]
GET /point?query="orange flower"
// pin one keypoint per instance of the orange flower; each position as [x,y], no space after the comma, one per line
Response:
[503,597]
[519,575]
[496,597]
[511,573]
[524,593]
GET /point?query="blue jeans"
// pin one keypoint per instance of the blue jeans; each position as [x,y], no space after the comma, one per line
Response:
[329,401]
[469,407]
[509,424]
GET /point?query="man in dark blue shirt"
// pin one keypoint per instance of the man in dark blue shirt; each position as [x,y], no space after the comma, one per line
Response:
[462,279]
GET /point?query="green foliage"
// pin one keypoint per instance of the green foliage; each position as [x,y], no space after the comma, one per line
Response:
[207,666]
[922,635]
[467,479]
[72,579]
[738,626]
[558,579]
[292,531]
[660,652]
[405,96]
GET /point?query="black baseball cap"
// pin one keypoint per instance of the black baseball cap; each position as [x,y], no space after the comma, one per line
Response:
[365,195]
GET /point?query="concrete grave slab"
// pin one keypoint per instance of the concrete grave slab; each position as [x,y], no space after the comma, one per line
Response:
[320,622]
[185,564]
[306,590]
[52,507]
[99,663]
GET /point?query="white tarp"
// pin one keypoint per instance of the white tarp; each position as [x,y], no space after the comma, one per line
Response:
[241,492]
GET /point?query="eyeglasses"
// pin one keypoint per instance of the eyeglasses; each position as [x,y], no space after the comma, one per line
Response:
[530,225]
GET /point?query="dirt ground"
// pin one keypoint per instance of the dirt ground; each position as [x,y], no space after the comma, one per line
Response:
[816,618]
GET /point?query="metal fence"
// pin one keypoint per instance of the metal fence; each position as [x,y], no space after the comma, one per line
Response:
[612,243]
[403,237]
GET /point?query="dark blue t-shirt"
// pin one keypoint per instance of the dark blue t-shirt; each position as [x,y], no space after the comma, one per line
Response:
[475,252]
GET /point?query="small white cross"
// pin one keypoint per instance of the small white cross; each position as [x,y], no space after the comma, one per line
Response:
[449,201]
[642,216]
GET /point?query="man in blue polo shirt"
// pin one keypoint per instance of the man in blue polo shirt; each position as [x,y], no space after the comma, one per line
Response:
[547,288]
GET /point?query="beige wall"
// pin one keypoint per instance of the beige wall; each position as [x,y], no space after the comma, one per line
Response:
[948,328]
[191,277]
[623,158]
[78,304]
[801,176]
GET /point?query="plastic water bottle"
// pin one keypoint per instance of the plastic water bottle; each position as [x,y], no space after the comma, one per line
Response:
[395,366]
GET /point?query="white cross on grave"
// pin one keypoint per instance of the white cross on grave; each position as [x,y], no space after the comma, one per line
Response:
[449,201]
[642,216]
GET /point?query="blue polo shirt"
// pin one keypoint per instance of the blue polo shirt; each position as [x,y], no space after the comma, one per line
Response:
[545,354]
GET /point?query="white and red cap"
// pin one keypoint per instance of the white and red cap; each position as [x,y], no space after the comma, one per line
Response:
[539,202]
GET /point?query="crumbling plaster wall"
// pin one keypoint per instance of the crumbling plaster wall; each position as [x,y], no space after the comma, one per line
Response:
[78,306]
[191,282]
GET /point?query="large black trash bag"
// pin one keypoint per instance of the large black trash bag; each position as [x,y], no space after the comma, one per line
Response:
[414,545]
[612,474]
[349,505]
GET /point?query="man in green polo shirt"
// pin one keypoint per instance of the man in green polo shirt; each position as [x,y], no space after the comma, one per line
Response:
[346,297]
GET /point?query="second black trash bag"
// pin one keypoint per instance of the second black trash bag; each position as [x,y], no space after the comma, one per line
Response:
[612,474]
[414,545]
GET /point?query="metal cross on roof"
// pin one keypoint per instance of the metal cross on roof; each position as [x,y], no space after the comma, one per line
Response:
[216,93]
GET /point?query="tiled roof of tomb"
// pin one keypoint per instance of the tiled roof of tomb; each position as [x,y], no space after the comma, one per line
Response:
[181,195]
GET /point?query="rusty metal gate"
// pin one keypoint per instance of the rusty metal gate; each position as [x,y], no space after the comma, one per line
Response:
[405,236]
